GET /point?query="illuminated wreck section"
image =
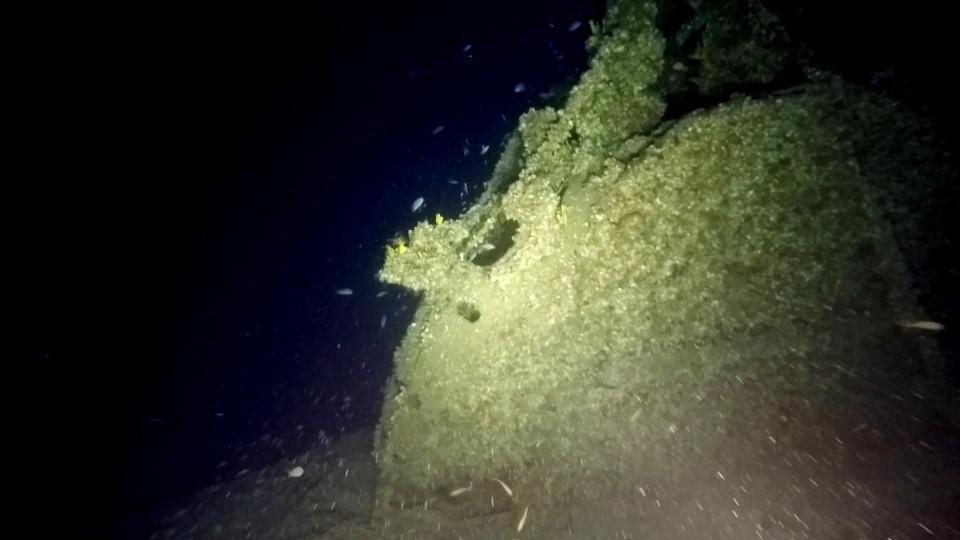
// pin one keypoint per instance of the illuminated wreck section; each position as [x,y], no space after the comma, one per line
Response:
[573,321]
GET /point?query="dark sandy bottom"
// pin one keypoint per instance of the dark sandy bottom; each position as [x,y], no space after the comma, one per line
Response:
[822,449]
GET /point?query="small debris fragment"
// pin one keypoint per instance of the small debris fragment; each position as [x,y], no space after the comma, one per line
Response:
[417,203]
[344,292]
[930,326]
[460,491]
[523,519]
[295,472]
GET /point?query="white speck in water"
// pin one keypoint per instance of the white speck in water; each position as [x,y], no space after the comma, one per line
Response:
[460,491]
[504,486]
[931,326]
[523,519]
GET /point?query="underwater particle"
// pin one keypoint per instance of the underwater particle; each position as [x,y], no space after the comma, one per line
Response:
[381,294]
[573,26]
[520,87]
[930,326]
[383,321]
[344,291]
[467,47]
[417,203]
[484,148]
[295,472]
[523,519]
[437,130]
[504,486]
[460,491]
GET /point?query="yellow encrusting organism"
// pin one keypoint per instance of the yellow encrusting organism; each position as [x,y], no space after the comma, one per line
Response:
[397,248]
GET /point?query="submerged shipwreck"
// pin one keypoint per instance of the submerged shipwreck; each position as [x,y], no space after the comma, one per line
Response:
[656,306]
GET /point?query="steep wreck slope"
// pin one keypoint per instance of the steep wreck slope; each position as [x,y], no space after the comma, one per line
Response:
[582,325]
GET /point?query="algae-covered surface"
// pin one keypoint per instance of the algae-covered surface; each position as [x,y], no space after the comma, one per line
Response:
[652,327]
